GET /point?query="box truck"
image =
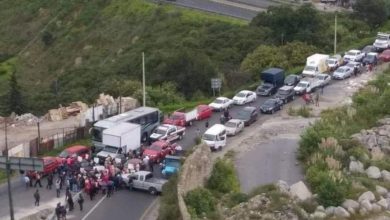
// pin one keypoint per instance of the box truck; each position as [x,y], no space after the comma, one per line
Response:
[315,64]
[119,140]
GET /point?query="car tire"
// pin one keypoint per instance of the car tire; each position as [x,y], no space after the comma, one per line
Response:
[153,191]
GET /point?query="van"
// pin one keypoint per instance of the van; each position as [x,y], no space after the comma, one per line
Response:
[215,137]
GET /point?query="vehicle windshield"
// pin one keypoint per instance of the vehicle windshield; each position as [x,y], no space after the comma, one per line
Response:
[241,94]
[310,68]
[331,61]
[351,65]
[351,53]
[269,102]
[110,149]
[64,154]
[218,101]
[380,37]
[208,137]
[230,124]
[290,79]
[160,131]
[172,163]
[244,114]
[266,86]
[320,77]
[283,92]
[97,134]
[341,70]
[301,84]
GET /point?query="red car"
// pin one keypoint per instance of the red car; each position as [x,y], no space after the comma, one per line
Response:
[204,111]
[385,56]
[50,165]
[73,152]
[158,150]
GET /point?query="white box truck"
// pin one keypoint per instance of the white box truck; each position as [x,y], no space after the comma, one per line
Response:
[120,139]
[315,64]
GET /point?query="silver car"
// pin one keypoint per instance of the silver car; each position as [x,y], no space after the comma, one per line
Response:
[234,126]
[342,72]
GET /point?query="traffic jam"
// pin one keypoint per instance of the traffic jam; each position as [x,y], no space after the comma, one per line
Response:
[141,149]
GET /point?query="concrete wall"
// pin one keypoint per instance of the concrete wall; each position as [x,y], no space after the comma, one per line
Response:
[194,173]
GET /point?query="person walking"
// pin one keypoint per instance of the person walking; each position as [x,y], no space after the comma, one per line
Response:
[38,180]
[58,187]
[317,99]
[37,197]
[49,181]
[26,181]
[58,211]
[80,201]
[69,199]
[207,124]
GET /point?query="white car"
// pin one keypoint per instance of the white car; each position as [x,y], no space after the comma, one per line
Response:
[221,103]
[342,72]
[354,55]
[334,61]
[244,97]
[324,79]
[234,126]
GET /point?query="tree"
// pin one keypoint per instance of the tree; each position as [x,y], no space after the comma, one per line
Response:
[13,97]
[373,12]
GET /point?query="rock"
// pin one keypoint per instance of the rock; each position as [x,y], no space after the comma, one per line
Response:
[381,190]
[376,208]
[385,175]
[329,211]
[320,208]
[371,141]
[386,149]
[363,211]
[383,203]
[382,132]
[283,186]
[340,212]
[351,211]
[349,203]
[78,61]
[373,172]
[366,204]
[356,167]
[384,121]
[319,215]
[367,196]
[300,191]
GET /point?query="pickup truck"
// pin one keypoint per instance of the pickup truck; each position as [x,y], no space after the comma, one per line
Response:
[307,84]
[168,132]
[181,118]
[144,180]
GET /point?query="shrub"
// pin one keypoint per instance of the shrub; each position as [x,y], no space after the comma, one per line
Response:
[169,207]
[200,201]
[331,193]
[303,111]
[235,199]
[309,205]
[262,189]
[223,178]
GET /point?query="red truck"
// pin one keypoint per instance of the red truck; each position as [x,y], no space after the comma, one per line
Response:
[181,118]
[158,150]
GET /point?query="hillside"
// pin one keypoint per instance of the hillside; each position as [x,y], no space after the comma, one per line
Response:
[70,50]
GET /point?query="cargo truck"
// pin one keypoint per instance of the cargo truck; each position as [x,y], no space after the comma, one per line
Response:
[272,78]
[181,118]
[315,64]
[120,140]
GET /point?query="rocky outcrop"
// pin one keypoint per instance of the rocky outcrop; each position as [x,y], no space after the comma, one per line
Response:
[373,172]
[376,137]
[356,166]
[367,196]
[350,204]
[381,190]
[300,191]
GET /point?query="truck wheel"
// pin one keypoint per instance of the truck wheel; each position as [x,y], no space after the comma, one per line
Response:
[152,191]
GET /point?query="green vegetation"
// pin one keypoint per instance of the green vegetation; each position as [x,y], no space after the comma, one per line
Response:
[223,178]
[200,202]
[326,146]
[169,207]
[303,111]
[74,50]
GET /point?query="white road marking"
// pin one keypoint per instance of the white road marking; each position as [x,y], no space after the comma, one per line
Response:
[93,208]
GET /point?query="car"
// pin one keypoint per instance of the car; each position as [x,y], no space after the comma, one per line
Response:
[355,65]
[204,111]
[370,58]
[248,115]
[385,56]
[221,103]
[234,126]
[342,72]
[158,150]
[271,106]
[324,79]
[368,49]
[353,55]
[304,86]
[50,165]
[266,89]
[291,80]
[334,62]
[73,152]
[286,94]
[244,97]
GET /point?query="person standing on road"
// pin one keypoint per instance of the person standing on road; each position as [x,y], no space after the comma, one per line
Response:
[26,181]
[49,181]
[317,99]
[80,201]
[207,124]
[58,211]
[69,199]
[38,180]
[58,187]
[37,197]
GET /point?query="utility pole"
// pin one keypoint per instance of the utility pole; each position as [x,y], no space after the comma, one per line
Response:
[335,34]
[39,135]
[143,80]
[8,170]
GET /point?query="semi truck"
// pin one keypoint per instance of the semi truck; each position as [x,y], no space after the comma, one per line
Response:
[315,64]
[119,140]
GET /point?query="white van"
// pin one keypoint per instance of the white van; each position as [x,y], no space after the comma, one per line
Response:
[215,137]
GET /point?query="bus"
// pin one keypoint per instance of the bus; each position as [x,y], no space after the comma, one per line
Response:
[149,118]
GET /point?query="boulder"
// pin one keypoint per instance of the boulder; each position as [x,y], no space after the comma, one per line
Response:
[382,131]
[320,208]
[367,196]
[351,211]
[356,167]
[381,190]
[329,211]
[383,203]
[340,212]
[366,204]
[376,208]
[373,172]
[385,175]
[283,186]
[349,203]
[371,141]
[384,121]
[319,215]
[300,191]
[363,211]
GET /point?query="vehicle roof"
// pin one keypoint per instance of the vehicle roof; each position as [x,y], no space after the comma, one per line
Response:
[221,97]
[353,62]
[249,108]
[286,87]
[322,74]
[235,121]
[273,70]
[372,53]
[76,148]
[244,91]
[215,129]
[122,128]
[343,67]
[354,50]
[159,143]
[48,158]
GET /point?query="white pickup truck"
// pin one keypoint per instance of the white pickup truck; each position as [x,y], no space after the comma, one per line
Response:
[382,41]
[307,84]
[168,132]
[144,180]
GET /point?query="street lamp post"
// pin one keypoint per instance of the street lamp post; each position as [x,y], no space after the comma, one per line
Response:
[8,170]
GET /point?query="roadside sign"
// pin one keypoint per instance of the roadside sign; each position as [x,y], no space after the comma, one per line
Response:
[216,83]
[22,163]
